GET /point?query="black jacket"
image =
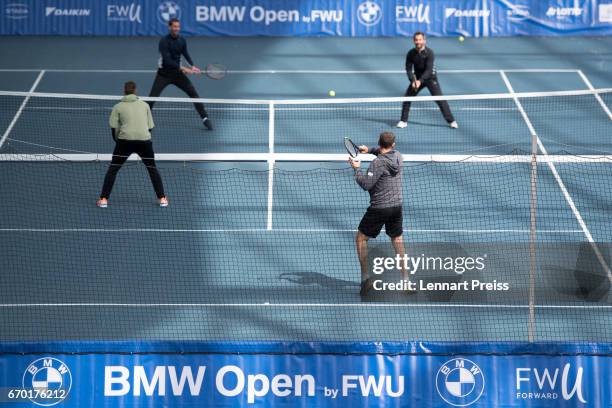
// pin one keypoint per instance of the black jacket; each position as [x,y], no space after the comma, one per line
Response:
[170,50]
[423,63]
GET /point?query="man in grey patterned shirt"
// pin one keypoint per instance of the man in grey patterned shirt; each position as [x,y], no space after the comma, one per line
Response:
[383,180]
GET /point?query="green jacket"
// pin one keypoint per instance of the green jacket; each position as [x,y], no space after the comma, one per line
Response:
[132,118]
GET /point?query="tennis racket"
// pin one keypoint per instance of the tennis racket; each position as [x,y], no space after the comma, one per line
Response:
[351,148]
[215,71]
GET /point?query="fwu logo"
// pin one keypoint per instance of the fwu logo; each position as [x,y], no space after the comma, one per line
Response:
[453,12]
[542,384]
[124,12]
[412,14]
[62,12]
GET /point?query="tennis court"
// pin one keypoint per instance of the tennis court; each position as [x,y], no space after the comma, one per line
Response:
[258,242]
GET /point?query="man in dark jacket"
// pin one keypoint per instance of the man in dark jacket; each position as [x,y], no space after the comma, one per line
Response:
[422,59]
[170,71]
[383,180]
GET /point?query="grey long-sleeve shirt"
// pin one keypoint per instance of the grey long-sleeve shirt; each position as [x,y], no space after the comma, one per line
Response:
[383,179]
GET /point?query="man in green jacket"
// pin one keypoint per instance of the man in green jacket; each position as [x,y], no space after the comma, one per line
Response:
[131,123]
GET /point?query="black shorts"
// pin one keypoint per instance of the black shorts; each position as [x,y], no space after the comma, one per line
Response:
[374,219]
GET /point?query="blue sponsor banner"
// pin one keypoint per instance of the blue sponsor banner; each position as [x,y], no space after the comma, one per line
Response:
[351,18]
[207,374]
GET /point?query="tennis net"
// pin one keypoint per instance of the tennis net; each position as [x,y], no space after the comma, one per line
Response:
[264,249]
[487,123]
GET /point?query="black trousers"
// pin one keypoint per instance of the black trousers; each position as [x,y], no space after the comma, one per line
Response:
[123,150]
[435,90]
[180,80]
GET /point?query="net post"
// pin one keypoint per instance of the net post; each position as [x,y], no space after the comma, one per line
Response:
[270,165]
[533,236]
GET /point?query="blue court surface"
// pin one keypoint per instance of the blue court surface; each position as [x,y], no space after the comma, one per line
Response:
[254,250]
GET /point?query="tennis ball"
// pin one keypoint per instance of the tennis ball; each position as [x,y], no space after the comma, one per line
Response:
[332,93]
[461,38]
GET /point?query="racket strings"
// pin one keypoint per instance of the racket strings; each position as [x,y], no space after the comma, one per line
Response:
[216,71]
[351,148]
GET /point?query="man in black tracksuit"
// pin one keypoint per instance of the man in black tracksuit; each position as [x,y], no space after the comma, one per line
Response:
[424,76]
[171,48]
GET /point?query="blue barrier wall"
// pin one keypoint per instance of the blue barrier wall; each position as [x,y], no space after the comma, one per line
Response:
[401,375]
[351,18]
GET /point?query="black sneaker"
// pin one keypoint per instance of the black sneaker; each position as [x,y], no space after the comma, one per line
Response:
[207,123]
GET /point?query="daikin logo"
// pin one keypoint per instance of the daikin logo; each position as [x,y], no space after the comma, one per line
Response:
[61,12]
[453,12]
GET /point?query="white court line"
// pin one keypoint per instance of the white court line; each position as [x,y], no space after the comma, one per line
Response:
[23,104]
[591,87]
[271,305]
[300,71]
[293,230]
[560,182]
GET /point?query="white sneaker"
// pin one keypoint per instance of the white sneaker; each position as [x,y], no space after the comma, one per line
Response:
[163,202]
[454,124]
[102,203]
[401,124]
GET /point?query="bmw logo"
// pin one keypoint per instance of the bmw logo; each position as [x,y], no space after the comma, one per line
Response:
[49,381]
[460,382]
[168,10]
[369,13]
